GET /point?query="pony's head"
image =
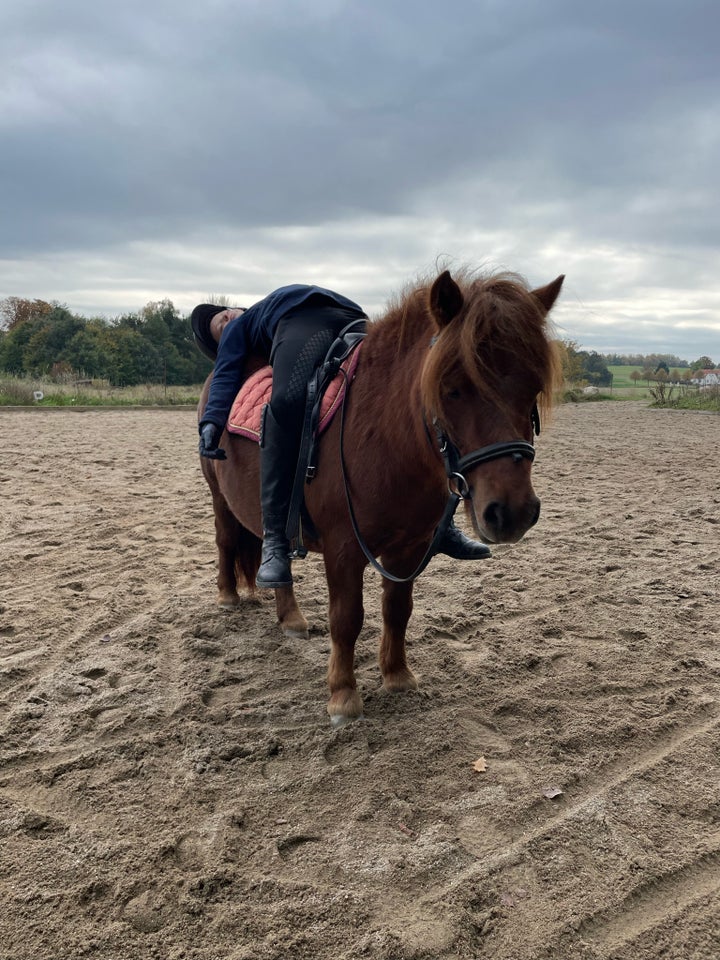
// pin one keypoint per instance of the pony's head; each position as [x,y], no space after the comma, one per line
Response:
[492,360]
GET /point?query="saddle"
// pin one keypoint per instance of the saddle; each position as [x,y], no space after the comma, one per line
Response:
[246,414]
[324,396]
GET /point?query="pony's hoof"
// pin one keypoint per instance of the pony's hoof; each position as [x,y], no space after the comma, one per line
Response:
[343,706]
[228,601]
[338,721]
[400,682]
[296,633]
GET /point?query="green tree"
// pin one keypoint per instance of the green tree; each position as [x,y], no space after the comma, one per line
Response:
[178,359]
[133,358]
[154,345]
[570,360]
[49,340]
[12,348]
[34,345]
[702,363]
[595,369]
[87,351]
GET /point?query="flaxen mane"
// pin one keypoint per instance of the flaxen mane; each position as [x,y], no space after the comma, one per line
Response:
[500,322]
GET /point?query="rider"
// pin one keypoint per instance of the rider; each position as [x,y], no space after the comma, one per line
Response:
[293,327]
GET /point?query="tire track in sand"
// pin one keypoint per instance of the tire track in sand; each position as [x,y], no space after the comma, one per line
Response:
[613,776]
[656,903]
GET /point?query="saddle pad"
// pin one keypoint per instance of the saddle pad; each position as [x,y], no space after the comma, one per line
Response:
[246,411]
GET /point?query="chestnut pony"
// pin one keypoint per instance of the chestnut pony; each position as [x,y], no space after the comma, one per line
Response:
[456,362]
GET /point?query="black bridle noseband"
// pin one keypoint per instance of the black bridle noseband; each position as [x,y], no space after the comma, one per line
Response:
[455,465]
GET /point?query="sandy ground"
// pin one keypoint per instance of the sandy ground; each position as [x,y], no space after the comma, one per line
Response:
[170,786]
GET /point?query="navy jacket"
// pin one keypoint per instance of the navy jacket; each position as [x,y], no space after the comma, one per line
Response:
[253,332]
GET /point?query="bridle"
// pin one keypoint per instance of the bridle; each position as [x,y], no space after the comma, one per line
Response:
[456,465]
[458,487]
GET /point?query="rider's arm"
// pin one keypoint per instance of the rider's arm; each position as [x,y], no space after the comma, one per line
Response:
[228,373]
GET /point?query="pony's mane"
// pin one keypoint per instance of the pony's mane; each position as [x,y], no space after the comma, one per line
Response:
[500,318]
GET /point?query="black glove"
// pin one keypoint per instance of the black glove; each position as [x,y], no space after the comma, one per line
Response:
[210,435]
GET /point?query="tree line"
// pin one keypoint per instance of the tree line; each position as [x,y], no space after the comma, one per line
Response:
[657,361]
[592,368]
[155,345]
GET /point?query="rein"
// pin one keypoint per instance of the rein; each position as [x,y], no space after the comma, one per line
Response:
[450,508]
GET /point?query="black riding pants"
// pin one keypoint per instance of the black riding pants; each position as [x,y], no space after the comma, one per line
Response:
[300,344]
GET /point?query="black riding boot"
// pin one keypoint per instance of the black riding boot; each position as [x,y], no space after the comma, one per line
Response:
[456,545]
[277,471]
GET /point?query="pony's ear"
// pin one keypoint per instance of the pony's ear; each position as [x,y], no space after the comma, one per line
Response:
[549,294]
[446,299]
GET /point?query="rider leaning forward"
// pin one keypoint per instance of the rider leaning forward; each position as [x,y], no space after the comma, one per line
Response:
[293,327]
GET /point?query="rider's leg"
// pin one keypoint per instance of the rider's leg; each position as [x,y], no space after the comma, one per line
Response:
[277,471]
[301,342]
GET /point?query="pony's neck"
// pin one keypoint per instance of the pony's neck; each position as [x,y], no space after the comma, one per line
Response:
[393,356]
[398,344]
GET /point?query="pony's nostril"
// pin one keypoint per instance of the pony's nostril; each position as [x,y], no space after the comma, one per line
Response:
[504,522]
[494,516]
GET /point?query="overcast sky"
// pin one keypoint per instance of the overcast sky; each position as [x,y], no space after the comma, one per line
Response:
[164,149]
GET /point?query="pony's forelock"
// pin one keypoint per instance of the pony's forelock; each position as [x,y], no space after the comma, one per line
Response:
[499,314]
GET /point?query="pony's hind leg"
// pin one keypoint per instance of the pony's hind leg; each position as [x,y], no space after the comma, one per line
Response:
[345,583]
[238,554]
[397,606]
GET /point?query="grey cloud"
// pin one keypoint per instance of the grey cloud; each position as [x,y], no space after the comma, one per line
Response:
[538,127]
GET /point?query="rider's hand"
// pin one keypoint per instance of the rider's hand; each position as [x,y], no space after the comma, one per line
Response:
[210,435]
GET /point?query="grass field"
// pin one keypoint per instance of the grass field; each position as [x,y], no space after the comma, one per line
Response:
[622,380]
[622,383]
[22,391]
[682,396]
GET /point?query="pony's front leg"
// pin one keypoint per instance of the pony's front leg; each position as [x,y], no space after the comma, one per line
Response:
[292,622]
[397,606]
[345,585]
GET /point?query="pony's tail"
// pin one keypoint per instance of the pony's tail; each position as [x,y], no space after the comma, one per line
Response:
[237,546]
[248,548]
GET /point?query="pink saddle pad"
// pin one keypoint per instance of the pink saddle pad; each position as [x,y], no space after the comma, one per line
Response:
[246,411]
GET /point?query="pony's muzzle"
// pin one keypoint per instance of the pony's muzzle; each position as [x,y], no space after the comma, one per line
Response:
[502,522]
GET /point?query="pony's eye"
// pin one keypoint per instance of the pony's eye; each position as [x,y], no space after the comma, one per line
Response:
[453,394]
